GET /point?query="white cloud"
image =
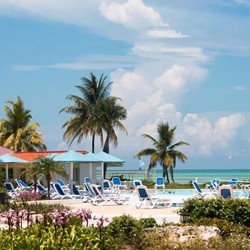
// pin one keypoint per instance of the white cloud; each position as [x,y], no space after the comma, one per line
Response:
[207,138]
[175,78]
[240,88]
[74,12]
[165,33]
[132,14]
[155,49]
[243,2]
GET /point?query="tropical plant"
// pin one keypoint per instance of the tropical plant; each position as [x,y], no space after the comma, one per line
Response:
[16,132]
[164,152]
[48,167]
[79,126]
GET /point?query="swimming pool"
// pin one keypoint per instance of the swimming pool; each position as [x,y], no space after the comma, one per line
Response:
[178,196]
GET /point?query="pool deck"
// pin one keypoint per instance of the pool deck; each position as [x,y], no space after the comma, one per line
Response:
[111,210]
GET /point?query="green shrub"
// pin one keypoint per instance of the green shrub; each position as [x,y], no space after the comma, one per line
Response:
[40,237]
[125,229]
[233,210]
[148,222]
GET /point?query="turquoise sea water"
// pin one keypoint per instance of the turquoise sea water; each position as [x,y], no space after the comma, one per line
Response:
[185,176]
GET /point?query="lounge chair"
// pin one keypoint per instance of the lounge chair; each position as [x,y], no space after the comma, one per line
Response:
[147,201]
[226,191]
[41,188]
[159,182]
[11,190]
[60,193]
[233,182]
[117,183]
[21,184]
[137,183]
[107,187]
[201,193]
[86,179]
[101,199]
[80,194]
[214,184]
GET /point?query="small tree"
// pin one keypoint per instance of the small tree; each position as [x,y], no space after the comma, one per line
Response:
[48,167]
[32,172]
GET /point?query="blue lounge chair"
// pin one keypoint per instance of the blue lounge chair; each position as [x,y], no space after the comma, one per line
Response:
[117,183]
[21,184]
[41,188]
[199,192]
[233,182]
[137,183]
[159,182]
[60,193]
[102,199]
[11,190]
[214,184]
[106,185]
[226,191]
[79,194]
[86,179]
[147,201]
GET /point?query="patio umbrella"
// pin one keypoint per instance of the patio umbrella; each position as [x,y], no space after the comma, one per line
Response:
[72,157]
[10,159]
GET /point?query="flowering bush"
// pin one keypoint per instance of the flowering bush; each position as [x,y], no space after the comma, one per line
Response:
[28,195]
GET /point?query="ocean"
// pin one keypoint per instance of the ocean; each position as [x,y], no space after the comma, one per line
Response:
[185,176]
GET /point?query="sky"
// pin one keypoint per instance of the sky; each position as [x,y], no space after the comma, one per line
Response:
[182,62]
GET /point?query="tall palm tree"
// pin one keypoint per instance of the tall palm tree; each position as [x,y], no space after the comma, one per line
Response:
[79,125]
[164,151]
[16,132]
[109,117]
[47,167]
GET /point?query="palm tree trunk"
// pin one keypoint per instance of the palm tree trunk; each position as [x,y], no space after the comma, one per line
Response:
[172,173]
[35,184]
[166,173]
[93,143]
[106,150]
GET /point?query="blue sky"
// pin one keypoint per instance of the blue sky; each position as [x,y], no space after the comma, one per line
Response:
[182,62]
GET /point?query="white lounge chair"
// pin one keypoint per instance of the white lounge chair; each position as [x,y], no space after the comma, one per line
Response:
[80,194]
[233,182]
[60,193]
[137,183]
[11,190]
[117,183]
[101,199]
[22,185]
[201,193]
[147,201]
[214,184]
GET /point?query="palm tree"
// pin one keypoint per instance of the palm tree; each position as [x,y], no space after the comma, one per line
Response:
[48,167]
[164,152]
[79,126]
[109,117]
[16,132]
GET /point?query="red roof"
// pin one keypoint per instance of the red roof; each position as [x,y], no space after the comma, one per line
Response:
[31,156]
